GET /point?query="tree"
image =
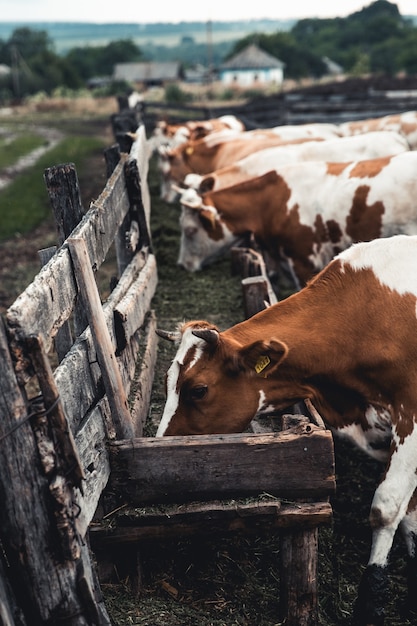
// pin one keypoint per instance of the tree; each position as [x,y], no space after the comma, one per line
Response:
[100,60]
[374,33]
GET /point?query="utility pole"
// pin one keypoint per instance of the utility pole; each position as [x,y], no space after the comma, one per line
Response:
[209,52]
[15,71]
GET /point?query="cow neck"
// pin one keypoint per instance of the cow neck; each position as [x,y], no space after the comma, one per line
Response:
[248,206]
[315,332]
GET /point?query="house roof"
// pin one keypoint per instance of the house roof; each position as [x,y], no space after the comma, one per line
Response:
[252,57]
[149,71]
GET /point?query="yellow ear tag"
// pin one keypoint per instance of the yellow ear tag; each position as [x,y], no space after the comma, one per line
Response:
[189,150]
[262,363]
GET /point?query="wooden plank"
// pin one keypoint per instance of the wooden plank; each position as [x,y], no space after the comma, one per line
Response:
[91,441]
[49,300]
[134,187]
[130,312]
[210,519]
[78,377]
[142,380]
[67,460]
[63,338]
[255,295]
[46,584]
[97,428]
[204,466]
[298,580]
[139,152]
[102,341]
[46,303]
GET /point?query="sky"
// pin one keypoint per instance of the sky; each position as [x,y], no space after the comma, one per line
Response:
[147,11]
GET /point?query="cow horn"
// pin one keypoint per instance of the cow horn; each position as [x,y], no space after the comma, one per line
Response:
[177,188]
[208,334]
[166,334]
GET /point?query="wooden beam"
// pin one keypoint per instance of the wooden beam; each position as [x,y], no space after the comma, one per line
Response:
[209,519]
[179,469]
[105,352]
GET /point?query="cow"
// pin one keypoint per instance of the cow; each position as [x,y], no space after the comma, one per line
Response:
[405,123]
[175,134]
[303,213]
[365,146]
[347,342]
[213,152]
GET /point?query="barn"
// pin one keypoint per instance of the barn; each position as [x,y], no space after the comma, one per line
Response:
[148,74]
[250,67]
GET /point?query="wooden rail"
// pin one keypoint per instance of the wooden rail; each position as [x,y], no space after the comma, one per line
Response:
[328,102]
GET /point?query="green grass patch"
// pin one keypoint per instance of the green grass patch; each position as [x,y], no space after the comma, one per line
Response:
[11,151]
[24,204]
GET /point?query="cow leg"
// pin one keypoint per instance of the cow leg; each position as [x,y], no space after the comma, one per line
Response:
[389,508]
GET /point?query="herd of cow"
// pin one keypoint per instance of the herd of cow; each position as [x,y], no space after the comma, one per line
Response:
[337,204]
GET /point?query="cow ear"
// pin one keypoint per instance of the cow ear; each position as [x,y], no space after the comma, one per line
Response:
[263,357]
[191,199]
[206,184]
[209,217]
[200,131]
[210,335]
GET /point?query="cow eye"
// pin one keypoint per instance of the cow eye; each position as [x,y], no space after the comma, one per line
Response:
[198,393]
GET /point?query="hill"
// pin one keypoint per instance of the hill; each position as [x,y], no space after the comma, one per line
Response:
[67,35]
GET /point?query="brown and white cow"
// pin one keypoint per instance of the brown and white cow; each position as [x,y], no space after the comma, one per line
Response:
[223,148]
[348,343]
[174,134]
[404,123]
[304,213]
[357,147]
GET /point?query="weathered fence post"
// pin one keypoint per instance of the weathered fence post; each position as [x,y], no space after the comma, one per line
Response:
[65,198]
[48,587]
[298,582]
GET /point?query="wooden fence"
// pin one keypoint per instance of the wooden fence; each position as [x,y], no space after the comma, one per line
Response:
[338,102]
[75,381]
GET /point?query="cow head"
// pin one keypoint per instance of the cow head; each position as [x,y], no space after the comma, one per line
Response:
[204,236]
[215,384]
[173,167]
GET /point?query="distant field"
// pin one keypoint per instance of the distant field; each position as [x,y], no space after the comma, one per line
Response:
[70,35]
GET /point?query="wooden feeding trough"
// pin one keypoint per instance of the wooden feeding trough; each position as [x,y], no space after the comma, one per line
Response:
[276,482]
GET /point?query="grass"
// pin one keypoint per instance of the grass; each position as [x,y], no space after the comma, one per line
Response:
[11,151]
[24,203]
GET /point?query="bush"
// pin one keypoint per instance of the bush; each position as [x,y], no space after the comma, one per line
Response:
[174,93]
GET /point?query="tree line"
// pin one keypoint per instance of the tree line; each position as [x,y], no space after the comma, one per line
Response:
[376,40]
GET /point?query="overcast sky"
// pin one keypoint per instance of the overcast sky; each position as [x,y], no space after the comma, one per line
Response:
[145,11]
